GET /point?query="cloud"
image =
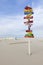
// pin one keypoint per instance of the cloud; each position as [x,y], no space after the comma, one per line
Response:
[38,21]
[11,24]
[38,16]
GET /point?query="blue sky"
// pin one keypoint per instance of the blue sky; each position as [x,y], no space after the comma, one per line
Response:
[12,13]
[15,7]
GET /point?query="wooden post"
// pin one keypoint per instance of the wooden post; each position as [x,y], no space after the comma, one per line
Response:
[29,51]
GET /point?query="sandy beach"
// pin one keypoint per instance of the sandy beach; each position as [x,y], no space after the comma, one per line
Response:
[15,52]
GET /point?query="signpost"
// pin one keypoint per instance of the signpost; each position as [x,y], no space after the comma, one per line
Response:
[28,11]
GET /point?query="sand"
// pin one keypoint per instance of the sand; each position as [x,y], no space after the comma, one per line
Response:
[15,52]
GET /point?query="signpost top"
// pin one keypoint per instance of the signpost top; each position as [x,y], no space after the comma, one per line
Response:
[28,12]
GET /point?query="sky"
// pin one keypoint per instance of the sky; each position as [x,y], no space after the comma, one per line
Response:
[11,17]
[13,7]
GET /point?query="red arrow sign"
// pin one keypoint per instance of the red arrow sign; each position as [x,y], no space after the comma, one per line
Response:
[28,30]
[27,17]
[27,8]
